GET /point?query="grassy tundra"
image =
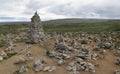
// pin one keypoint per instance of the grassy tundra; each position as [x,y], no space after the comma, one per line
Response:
[103,26]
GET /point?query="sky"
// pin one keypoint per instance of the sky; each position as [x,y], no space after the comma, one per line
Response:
[23,10]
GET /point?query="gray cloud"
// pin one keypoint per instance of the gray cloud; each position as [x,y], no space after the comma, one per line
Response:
[55,9]
[90,10]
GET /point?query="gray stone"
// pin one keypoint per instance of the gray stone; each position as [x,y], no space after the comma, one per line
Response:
[91,68]
[20,60]
[23,69]
[46,68]
[29,54]
[37,66]
[60,62]
[10,46]
[117,72]
[117,62]
[66,56]
[1,58]
[69,68]
[52,68]
[3,54]
[75,72]
[117,53]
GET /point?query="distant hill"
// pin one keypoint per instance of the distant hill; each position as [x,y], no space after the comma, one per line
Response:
[16,23]
[65,25]
[59,21]
[75,20]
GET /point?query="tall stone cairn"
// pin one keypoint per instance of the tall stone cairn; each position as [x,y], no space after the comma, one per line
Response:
[36,32]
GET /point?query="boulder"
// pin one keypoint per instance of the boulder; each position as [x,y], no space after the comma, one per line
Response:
[117,62]
[10,46]
[23,69]
[117,72]
[37,66]
[60,62]
[3,54]
[117,53]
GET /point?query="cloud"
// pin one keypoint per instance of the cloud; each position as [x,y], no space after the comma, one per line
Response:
[55,9]
[98,9]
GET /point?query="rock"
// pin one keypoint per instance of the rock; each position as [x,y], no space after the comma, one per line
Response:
[84,41]
[60,62]
[117,62]
[83,56]
[37,66]
[78,59]
[52,68]
[29,54]
[20,61]
[69,68]
[106,45]
[75,66]
[3,54]
[1,58]
[84,49]
[94,56]
[96,48]
[91,68]
[100,56]
[46,68]
[53,54]
[26,47]
[117,72]
[102,52]
[23,69]
[37,62]
[75,72]
[49,68]
[30,59]
[66,56]
[63,47]
[117,53]
[10,46]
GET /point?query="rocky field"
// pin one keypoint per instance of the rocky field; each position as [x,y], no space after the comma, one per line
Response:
[62,53]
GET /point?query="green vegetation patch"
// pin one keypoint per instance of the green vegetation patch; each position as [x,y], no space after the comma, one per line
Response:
[107,26]
[48,52]
[104,26]
[2,43]
[4,29]
[9,55]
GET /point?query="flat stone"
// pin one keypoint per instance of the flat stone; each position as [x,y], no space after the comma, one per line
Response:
[46,68]
[52,68]
[1,58]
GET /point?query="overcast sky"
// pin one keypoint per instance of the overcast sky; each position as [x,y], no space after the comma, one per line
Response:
[23,10]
